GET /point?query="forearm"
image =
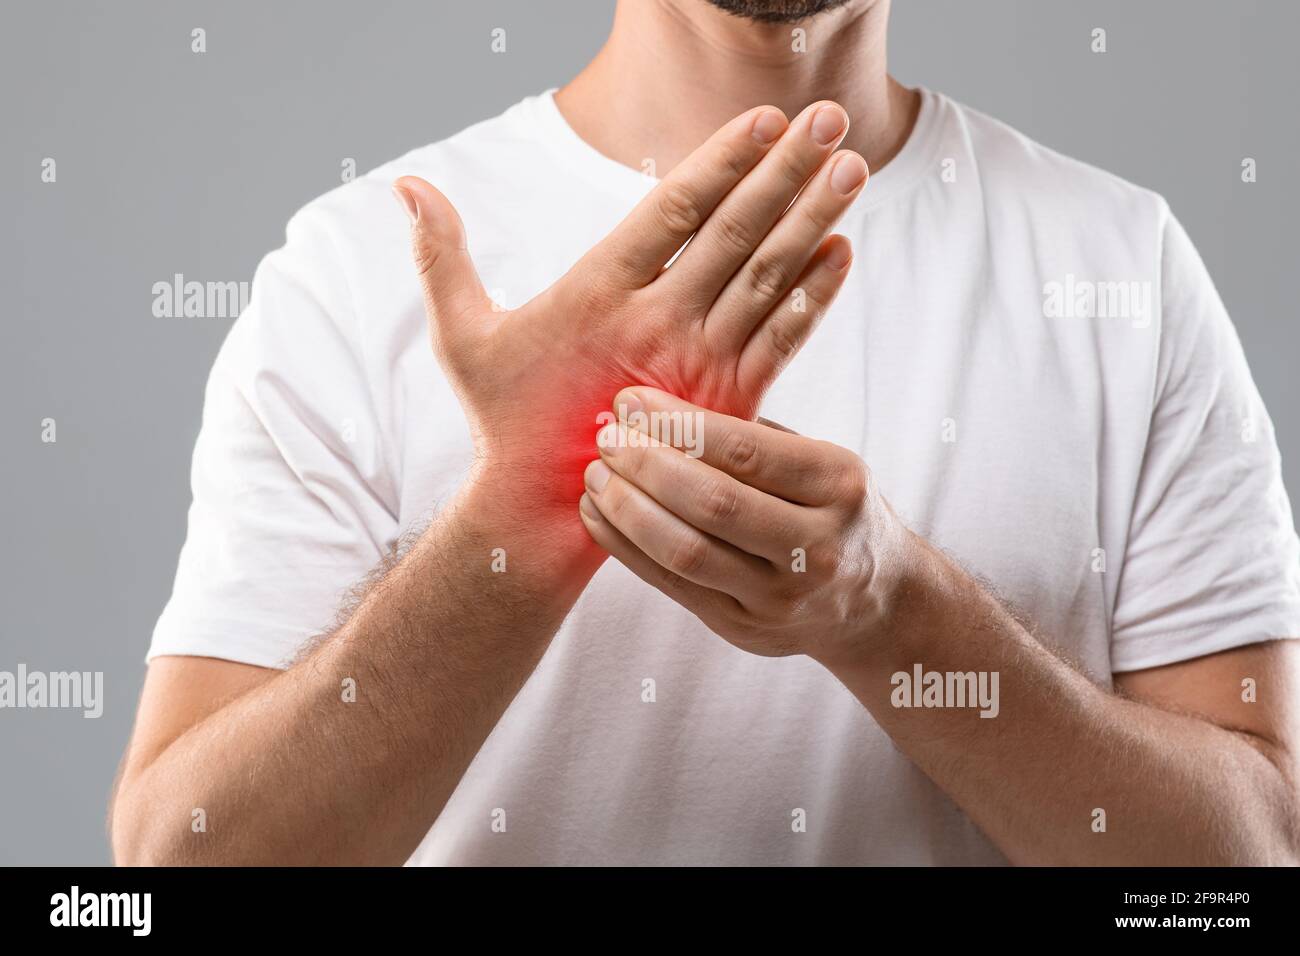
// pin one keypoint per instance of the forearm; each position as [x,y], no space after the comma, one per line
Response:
[296,772]
[1175,789]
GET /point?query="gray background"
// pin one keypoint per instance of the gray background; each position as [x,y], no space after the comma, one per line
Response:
[174,162]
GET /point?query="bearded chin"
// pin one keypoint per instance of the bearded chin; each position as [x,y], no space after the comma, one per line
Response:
[776,11]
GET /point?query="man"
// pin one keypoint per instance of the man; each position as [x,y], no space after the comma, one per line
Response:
[1027,395]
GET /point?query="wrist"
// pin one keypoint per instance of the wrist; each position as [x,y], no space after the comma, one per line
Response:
[537,458]
[902,596]
[539,487]
[531,514]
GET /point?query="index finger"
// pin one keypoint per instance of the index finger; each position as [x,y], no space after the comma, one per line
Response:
[659,226]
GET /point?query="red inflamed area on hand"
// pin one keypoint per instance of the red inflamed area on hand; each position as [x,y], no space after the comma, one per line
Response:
[556,476]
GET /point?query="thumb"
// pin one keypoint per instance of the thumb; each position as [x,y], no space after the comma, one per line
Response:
[451,284]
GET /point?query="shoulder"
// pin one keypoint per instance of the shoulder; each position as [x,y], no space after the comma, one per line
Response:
[491,152]
[1019,175]
[348,249]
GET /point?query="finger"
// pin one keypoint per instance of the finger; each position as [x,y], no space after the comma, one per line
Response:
[790,466]
[701,495]
[781,257]
[670,541]
[785,329]
[656,229]
[451,284]
[738,225]
[704,603]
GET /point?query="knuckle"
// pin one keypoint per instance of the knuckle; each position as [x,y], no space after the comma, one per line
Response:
[807,301]
[720,501]
[613,505]
[782,339]
[739,453]
[815,297]
[743,627]
[823,557]
[671,583]
[732,231]
[792,170]
[853,480]
[633,460]
[733,160]
[425,254]
[688,555]
[788,592]
[678,209]
[768,278]
[815,215]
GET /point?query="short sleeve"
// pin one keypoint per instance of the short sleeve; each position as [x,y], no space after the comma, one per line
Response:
[1212,560]
[291,497]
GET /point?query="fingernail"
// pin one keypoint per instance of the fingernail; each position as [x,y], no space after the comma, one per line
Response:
[828,122]
[627,402]
[768,127]
[839,256]
[849,172]
[597,476]
[588,507]
[408,202]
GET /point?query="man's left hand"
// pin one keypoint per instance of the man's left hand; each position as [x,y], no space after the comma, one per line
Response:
[779,543]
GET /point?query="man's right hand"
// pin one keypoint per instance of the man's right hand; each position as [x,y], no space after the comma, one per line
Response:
[714,328]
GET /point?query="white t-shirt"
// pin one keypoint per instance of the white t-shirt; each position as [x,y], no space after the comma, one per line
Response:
[1108,468]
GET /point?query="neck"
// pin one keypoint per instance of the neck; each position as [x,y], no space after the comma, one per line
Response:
[673,71]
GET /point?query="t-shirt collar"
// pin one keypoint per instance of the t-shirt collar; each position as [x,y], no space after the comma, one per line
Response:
[600,171]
